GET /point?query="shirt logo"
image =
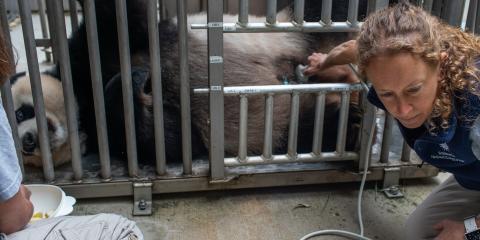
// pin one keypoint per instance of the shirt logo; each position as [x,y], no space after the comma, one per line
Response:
[445,147]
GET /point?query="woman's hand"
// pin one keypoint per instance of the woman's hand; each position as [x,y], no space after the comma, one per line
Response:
[16,212]
[450,230]
[344,53]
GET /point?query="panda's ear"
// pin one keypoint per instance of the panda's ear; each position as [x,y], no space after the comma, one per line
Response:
[16,76]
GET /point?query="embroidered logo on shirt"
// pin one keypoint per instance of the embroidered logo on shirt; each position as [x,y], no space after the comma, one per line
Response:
[444,146]
[445,154]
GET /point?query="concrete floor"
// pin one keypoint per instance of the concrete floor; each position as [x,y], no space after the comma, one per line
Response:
[268,213]
[271,213]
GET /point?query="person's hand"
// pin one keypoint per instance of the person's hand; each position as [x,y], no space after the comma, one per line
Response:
[449,230]
[344,53]
[16,212]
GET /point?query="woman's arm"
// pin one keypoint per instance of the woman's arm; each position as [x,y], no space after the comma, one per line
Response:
[344,53]
[16,212]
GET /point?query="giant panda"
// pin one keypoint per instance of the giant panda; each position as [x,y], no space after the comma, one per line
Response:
[249,59]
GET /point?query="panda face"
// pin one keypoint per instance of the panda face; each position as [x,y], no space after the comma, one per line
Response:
[56,121]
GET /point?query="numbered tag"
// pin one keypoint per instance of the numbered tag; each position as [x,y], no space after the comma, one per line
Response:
[216,59]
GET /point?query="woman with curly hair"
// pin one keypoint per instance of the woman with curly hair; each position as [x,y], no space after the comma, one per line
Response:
[425,73]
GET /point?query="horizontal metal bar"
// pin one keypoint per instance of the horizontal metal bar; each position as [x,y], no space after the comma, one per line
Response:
[302,157]
[285,27]
[302,88]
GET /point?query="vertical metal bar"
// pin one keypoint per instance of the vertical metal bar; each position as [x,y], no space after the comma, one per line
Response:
[242,140]
[406,152]
[367,131]
[298,10]
[185,86]
[453,12]
[7,98]
[127,92]
[476,23]
[215,76]
[318,125]
[271,11]
[163,10]
[472,16]
[51,28]
[98,98]
[34,71]
[387,138]
[326,17]
[73,14]
[353,12]
[465,11]
[374,5]
[43,24]
[267,138]
[154,43]
[293,127]
[428,5]
[243,12]
[69,98]
[342,123]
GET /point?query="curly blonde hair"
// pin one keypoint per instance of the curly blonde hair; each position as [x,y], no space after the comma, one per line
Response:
[407,28]
[6,66]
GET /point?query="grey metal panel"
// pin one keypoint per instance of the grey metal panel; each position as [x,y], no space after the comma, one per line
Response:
[97,84]
[293,126]
[72,4]
[406,150]
[374,5]
[126,72]
[271,11]
[7,98]
[473,16]
[453,11]
[298,10]
[353,12]
[243,13]
[293,158]
[267,138]
[284,89]
[387,138]
[68,96]
[215,76]
[342,123]
[154,44]
[326,17]
[285,27]
[242,141]
[185,88]
[318,124]
[34,72]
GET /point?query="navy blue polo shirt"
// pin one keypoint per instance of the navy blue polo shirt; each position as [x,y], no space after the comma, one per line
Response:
[449,149]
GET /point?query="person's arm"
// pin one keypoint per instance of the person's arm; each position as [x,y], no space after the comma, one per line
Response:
[344,53]
[16,212]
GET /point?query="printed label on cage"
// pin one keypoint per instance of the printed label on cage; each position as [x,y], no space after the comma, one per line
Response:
[215,88]
[216,59]
[215,24]
[229,28]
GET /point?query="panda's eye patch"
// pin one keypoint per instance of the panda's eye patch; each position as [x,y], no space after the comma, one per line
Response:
[25,112]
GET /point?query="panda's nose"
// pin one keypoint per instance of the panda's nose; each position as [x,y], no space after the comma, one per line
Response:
[28,143]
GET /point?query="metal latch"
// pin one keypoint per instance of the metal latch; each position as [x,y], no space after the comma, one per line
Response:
[391,180]
[142,198]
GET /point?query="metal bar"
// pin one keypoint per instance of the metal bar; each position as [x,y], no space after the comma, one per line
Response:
[215,76]
[242,140]
[126,72]
[51,29]
[342,123]
[96,75]
[68,95]
[163,10]
[34,72]
[453,12]
[73,14]
[367,131]
[271,11]
[185,87]
[155,68]
[301,157]
[464,17]
[353,12]
[44,27]
[7,98]
[472,16]
[318,125]
[267,138]
[293,127]
[387,138]
[285,27]
[406,152]
[326,16]
[243,12]
[298,10]
[374,5]
[284,89]
[428,5]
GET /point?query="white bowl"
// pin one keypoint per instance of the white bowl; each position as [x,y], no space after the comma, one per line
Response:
[50,199]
